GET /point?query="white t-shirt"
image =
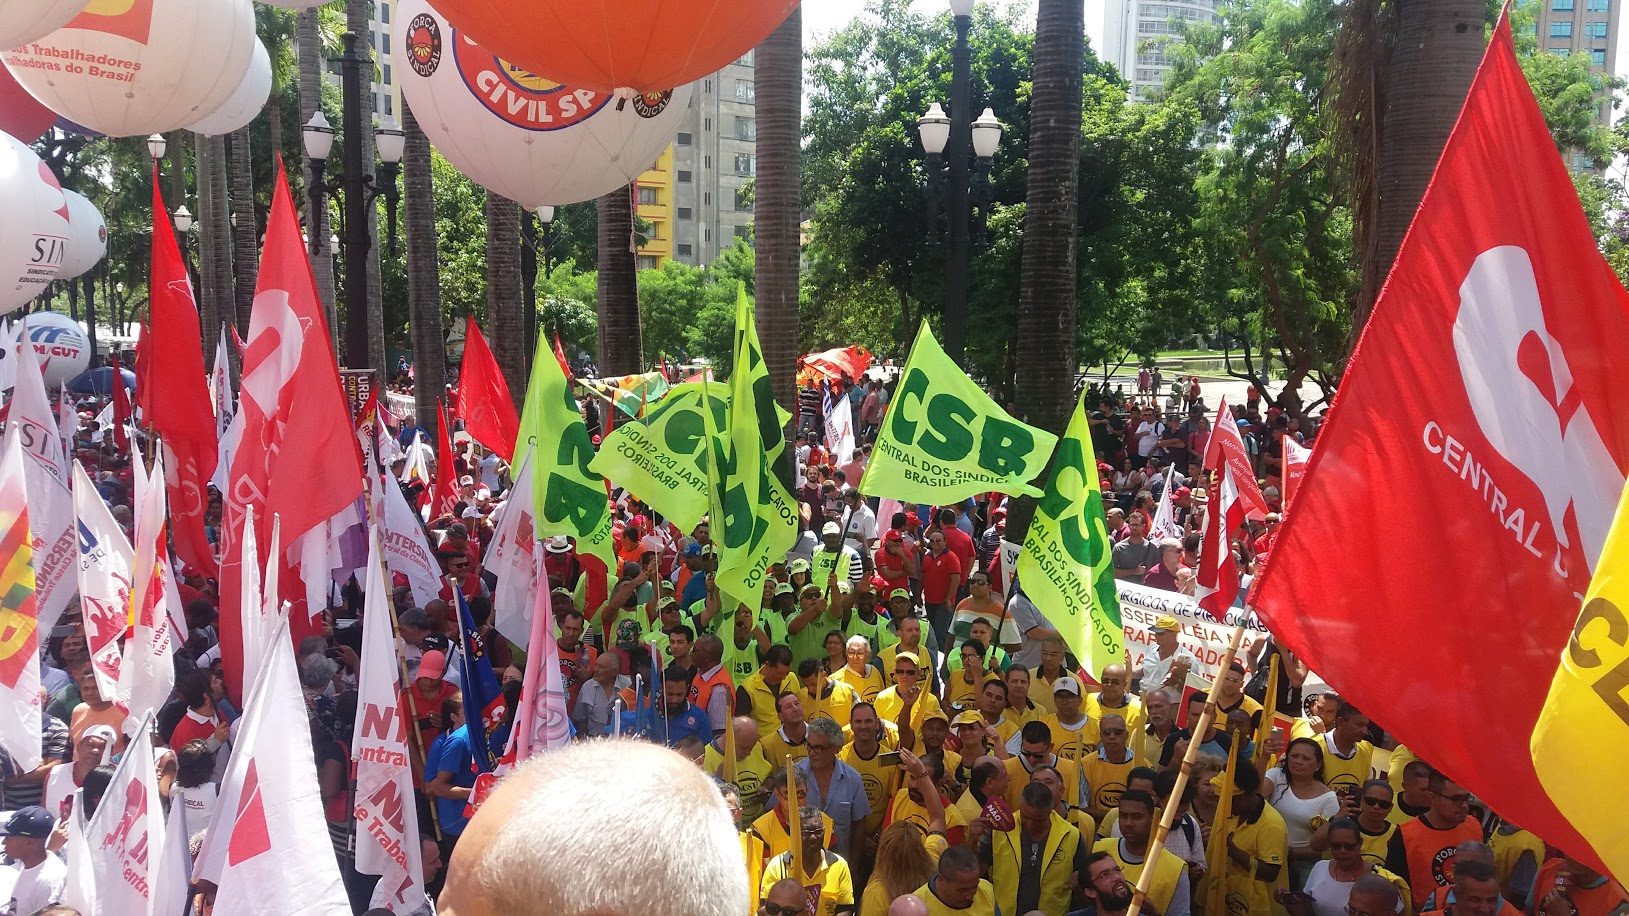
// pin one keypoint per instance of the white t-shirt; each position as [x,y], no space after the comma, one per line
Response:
[59,791]
[1148,435]
[1329,896]
[862,528]
[29,890]
[1299,813]
[199,802]
[489,472]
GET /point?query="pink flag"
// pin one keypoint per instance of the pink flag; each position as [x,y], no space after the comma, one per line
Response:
[1226,446]
[1296,457]
[126,835]
[387,836]
[541,723]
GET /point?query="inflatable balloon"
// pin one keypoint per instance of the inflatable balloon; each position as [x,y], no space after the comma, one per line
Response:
[59,342]
[23,21]
[647,45]
[34,230]
[130,68]
[87,237]
[22,115]
[245,103]
[294,4]
[532,140]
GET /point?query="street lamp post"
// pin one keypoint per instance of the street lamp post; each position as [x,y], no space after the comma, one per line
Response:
[964,139]
[356,189]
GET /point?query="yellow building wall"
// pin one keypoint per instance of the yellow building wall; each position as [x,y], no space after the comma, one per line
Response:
[657,183]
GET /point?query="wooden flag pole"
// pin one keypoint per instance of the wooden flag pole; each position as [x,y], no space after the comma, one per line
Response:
[1269,709]
[1169,817]
[1216,853]
[794,820]
[730,764]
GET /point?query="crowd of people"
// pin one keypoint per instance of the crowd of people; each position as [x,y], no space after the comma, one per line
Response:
[892,725]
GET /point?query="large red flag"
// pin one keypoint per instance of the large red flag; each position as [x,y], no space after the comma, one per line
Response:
[1216,580]
[445,494]
[172,388]
[298,460]
[1226,446]
[1465,483]
[1296,457]
[484,402]
[121,406]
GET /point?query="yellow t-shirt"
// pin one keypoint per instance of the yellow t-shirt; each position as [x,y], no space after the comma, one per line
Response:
[1248,704]
[1508,849]
[1073,744]
[837,706]
[1132,711]
[1106,779]
[1030,713]
[762,695]
[776,746]
[983,902]
[866,685]
[1347,774]
[903,808]
[1018,777]
[1401,757]
[768,827]
[1266,840]
[830,884]
[1040,691]
[962,694]
[1376,845]
[889,704]
[750,773]
[879,780]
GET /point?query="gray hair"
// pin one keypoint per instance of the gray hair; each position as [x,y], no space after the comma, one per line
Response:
[1170,544]
[317,671]
[828,729]
[415,617]
[1164,694]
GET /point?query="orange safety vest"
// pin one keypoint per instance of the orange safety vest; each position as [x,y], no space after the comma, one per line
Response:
[702,690]
[1431,853]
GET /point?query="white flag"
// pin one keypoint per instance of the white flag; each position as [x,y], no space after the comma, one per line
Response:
[387,828]
[541,723]
[172,885]
[50,503]
[268,849]
[220,385]
[20,645]
[511,559]
[840,432]
[418,457]
[406,550]
[79,889]
[8,355]
[148,672]
[1165,523]
[67,419]
[106,570]
[126,835]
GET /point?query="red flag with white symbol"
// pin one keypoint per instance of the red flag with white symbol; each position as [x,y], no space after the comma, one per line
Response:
[1296,457]
[1485,399]
[1226,447]
[484,402]
[1216,581]
[445,495]
[106,571]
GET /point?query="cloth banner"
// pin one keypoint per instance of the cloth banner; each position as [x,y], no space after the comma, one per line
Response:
[512,558]
[19,614]
[50,499]
[406,549]
[106,570]
[1200,633]
[840,431]
[661,459]
[831,365]
[567,497]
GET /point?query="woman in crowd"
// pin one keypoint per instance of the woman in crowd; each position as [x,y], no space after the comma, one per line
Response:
[1297,791]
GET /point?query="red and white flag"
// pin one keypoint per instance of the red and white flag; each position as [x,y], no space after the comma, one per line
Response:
[50,502]
[1485,397]
[1226,446]
[1296,457]
[228,420]
[174,395]
[406,549]
[512,558]
[106,570]
[445,495]
[297,459]
[1165,523]
[147,674]
[387,834]
[19,614]
[122,412]
[268,849]
[67,418]
[1216,581]
[125,837]
[541,722]
[484,402]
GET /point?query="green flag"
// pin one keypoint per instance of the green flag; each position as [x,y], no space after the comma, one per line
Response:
[943,440]
[1066,566]
[662,458]
[569,498]
[754,516]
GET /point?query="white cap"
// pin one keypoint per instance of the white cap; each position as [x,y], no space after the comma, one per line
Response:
[1066,684]
[831,528]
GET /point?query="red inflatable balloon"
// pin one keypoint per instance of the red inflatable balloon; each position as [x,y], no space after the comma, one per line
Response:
[21,115]
[647,45]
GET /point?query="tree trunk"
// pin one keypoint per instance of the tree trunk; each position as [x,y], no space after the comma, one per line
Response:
[1438,46]
[90,305]
[505,323]
[423,274]
[778,204]
[220,235]
[245,233]
[618,286]
[200,242]
[1046,292]
[316,224]
[358,16]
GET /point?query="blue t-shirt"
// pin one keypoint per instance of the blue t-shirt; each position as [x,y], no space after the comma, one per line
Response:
[695,589]
[670,730]
[450,753]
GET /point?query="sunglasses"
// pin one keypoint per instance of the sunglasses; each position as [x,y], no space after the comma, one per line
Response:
[1380,803]
[775,909]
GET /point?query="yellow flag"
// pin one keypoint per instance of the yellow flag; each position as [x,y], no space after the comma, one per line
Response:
[1582,737]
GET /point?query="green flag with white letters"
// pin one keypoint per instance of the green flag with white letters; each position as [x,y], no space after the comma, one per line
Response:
[944,440]
[1066,566]
[569,498]
[661,459]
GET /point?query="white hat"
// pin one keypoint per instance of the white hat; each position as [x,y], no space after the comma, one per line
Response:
[831,528]
[558,544]
[471,512]
[1066,684]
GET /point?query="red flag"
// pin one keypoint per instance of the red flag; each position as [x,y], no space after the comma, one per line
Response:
[1296,457]
[560,354]
[121,407]
[1216,581]
[445,494]
[298,459]
[484,402]
[1227,446]
[171,361]
[1484,399]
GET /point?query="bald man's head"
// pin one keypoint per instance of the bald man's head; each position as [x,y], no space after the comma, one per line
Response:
[908,905]
[527,850]
[786,893]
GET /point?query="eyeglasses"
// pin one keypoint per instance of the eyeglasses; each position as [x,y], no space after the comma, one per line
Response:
[775,909]
[1462,799]
[1037,756]
[1380,803]
[819,747]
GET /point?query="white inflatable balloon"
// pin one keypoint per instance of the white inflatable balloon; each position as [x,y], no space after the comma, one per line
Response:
[130,68]
[87,237]
[294,4]
[59,342]
[23,21]
[246,102]
[530,139]
[33,224]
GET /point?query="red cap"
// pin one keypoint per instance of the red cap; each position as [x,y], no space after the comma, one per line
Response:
[893,535]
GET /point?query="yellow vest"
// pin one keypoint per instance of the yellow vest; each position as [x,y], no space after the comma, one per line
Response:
[1508,849]
[1167,874]
[1347,774]
[1018,777]
[752,850]
[1072,744]
[777,748]
[763,698]
[750,773]
[772,832]
[1106,779]
[1132,711]
[837,707]
[1057,865]
[983,902]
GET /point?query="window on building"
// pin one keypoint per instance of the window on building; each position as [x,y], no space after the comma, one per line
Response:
[687,213]
[1560,52]
[1598,57]
[746,59]
[384,42]
[684,139]
[1599,6]
[744,232]
[707,162]
[1594,30]
[745,90]
[746,164]
[707,199]
[390,105]
[685,251]
[684,176]
[1561,29]
[384,12]
[707,124]
[743,201]
[707,86]
[1561,6]
[648,262]
[746,129]
[387,81]
[648,196]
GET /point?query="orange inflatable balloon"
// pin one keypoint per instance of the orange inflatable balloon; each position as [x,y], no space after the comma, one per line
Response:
[647,45]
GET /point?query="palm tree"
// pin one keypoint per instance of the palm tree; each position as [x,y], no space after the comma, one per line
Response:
[1045,351]
[275,26]
[618,286]
[245,229]
[505,321]
[358,19]
[778,202]
[423,273]
[309,35]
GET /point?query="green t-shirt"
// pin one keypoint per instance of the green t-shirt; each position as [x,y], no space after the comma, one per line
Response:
[811,641]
